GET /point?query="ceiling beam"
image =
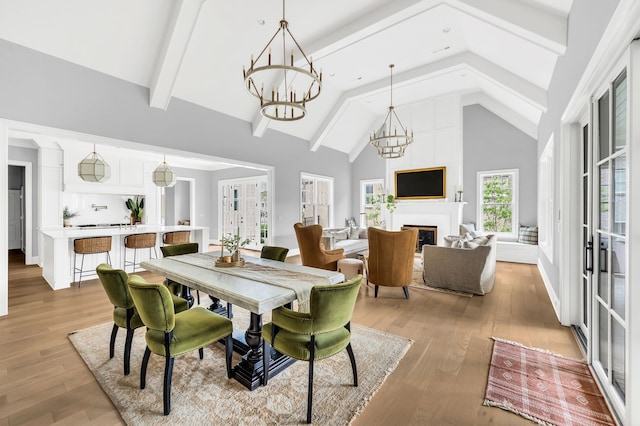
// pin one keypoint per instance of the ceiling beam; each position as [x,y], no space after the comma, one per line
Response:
[539,26]
[176,41]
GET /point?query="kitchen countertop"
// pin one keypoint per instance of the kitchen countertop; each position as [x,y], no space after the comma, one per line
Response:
[99,231]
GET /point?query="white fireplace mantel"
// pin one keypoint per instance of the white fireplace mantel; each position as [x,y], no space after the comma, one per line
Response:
[446,215]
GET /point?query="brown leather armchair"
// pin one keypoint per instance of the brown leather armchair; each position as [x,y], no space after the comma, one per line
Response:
[312,251]
[390,258]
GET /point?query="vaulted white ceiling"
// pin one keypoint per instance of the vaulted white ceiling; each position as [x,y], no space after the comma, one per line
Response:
[498,53]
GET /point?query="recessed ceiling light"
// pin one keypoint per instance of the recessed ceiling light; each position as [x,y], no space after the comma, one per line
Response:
[261,21]
[442,49]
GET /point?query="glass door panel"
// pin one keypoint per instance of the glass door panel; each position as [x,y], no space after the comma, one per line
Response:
[609,340]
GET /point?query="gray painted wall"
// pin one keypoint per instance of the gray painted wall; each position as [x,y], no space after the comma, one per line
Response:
[43,90]
[490,143]
[29,155]
[366,166]
[587,22]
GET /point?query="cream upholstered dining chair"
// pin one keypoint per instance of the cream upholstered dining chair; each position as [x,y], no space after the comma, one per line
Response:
[390,258]
[312,253]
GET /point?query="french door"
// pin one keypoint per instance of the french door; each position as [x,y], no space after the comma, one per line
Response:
[603,322]
[244,210]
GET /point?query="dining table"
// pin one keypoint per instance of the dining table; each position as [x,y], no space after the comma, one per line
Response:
[257,285]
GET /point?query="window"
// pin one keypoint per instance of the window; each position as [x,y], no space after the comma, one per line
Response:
[498,202]
[370,190]
[316,200]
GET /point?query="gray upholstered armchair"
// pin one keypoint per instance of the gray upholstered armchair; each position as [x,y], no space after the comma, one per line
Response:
[469,270]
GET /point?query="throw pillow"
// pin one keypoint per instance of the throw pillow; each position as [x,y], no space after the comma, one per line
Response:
[470,245]
[450,240]
[528,235]
[467,228]
[476,234]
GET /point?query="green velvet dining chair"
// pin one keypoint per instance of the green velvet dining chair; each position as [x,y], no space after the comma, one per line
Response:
[274,253]
[318,334]
[170,334]
[176,250]
[114,282]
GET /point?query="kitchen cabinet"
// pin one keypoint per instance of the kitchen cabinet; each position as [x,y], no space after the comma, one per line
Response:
[127,174]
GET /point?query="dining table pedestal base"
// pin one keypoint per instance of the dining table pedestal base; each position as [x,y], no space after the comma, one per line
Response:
[250,371]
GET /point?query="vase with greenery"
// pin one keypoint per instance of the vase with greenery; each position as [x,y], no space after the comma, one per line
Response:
[67,215]
[136,207]
[233,244]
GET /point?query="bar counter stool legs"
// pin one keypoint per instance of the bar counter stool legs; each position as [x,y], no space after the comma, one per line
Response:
[84,246]
[135,242]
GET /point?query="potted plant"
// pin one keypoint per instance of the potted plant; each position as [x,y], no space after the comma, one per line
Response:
[233,244]
[136,207]
[66,215]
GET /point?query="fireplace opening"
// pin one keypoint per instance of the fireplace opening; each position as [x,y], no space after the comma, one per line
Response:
[426,235]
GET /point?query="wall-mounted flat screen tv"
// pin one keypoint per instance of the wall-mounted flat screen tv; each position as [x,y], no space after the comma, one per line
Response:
[421,183]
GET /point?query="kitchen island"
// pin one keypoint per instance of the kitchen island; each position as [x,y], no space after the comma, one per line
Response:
[57,244]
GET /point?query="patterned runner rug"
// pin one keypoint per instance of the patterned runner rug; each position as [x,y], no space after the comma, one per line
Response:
[546,388]
[202,394]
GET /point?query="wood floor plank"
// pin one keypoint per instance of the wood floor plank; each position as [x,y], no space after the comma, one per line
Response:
[440,381]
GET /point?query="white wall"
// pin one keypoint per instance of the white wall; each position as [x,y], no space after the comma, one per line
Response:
[437,140]
[4,182]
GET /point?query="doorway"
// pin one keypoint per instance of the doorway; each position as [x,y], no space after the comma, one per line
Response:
[20,179]
[604,288]
[179,202]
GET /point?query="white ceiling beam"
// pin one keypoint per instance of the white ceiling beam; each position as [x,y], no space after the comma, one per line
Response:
[392,13]
[176,41]
[498,108]
[521,88]
[540,26]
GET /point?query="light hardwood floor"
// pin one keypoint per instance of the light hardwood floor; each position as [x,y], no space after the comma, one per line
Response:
[440,381]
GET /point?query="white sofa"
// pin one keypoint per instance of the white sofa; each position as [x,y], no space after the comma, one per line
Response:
[352,241]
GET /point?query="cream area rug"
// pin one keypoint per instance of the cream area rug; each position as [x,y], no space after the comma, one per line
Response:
[202,394]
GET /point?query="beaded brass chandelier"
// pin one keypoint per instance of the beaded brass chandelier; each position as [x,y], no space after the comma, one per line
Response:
[387,140]
[291,86]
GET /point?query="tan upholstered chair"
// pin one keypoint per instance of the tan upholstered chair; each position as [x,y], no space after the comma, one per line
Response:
[390,260]
[312,252]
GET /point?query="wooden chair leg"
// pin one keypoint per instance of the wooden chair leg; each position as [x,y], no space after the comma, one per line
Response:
[166,391]
[375,291]
[112,342]
[127,351]
[353,364]
[143,368]
[312,355]
[406,291]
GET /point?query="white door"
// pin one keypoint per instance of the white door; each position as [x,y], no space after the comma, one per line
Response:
[14,229]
